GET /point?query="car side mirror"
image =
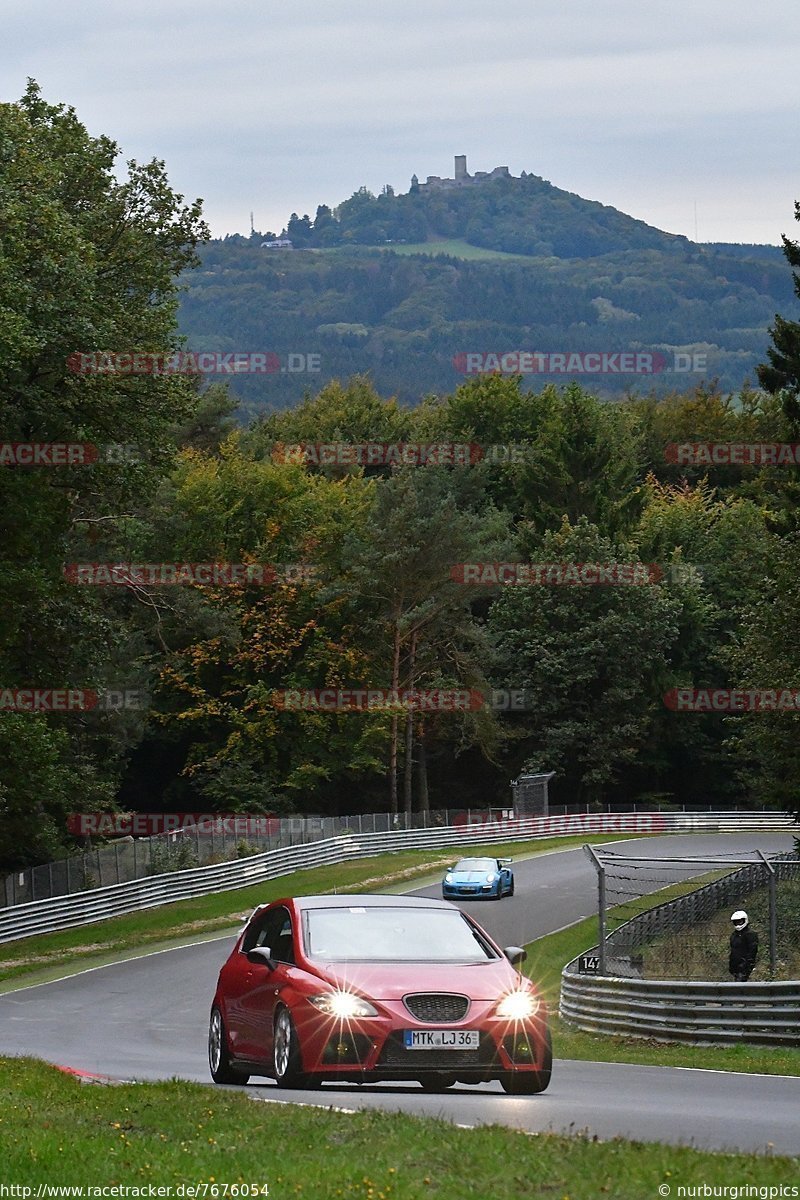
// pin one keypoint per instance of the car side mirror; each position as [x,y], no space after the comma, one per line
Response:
[515,954]
[261,954]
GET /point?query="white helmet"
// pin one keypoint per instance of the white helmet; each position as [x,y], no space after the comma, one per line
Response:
[740,919]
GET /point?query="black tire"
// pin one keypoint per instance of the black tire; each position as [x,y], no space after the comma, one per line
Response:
[511,889]
[530,1083]
[437,1082]
[286,1057]
[219,1060]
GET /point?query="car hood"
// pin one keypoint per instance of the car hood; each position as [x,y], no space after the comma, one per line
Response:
[392,981]
[471,876]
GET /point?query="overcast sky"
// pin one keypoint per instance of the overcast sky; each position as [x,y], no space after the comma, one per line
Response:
[683,113]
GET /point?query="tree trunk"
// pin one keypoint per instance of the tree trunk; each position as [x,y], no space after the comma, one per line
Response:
[422,771]
[409,764]
[395,726]
[408,775]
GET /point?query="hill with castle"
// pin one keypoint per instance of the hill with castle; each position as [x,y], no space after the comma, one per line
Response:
[490,209]
[399,286]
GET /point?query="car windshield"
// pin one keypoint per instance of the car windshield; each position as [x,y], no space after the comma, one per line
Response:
[393,934]
[476,864]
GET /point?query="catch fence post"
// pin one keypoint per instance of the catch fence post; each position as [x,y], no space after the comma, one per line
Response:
[601,908]
[773,915]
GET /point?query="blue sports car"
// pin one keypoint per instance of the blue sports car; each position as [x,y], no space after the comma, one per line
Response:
[483,878]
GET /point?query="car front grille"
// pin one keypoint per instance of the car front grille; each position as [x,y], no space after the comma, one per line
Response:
[437,1007]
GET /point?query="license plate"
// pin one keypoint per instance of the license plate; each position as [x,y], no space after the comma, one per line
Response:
[441,1039]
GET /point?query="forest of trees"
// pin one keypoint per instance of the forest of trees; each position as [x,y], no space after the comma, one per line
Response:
[406,318]
[380,603]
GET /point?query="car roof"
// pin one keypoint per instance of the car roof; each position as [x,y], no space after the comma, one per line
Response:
[360,900]
[370,900]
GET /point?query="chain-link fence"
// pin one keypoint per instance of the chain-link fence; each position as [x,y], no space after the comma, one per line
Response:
[686,934]
[213,841]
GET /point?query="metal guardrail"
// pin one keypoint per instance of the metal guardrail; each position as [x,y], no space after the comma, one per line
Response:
[684,1011]
[101,904]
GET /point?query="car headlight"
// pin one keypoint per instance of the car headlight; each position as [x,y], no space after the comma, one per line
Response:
[343,1005]
[490,878]
[448,878]
[516,1006]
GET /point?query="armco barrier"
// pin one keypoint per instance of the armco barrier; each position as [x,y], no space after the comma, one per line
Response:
[100,904]
[673,1011]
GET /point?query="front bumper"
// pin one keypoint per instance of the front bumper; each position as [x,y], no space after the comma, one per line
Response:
[373,1047]
[465,891]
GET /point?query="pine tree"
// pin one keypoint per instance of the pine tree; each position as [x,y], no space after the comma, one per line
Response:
[782,372]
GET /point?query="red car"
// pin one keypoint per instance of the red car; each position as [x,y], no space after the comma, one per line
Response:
[368,988]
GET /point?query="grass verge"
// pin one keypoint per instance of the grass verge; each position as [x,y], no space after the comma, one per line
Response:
[54,1130]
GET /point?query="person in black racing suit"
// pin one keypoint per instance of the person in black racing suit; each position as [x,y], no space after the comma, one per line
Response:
[744,947]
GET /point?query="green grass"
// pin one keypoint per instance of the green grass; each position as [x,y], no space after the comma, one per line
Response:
[454,247]
[54,1130]
[47,956]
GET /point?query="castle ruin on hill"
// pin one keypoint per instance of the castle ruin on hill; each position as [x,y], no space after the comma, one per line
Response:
[461,178]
